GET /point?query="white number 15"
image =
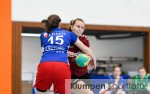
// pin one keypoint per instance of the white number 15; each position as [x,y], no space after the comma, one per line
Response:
[58,40]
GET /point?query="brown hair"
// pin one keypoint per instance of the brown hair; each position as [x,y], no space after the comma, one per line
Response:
[51,22]
[72,22]
[141,68]
[116,67]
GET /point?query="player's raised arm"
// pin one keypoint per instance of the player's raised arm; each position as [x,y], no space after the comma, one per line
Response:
[86,50]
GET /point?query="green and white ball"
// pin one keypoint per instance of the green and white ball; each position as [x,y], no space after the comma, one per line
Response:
[82,60]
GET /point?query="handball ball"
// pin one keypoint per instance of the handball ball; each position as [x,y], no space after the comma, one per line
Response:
[82,60]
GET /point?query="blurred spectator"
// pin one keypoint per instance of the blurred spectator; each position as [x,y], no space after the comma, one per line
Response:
[115,83]
[140,83]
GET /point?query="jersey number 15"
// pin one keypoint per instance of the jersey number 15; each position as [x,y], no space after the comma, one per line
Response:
[58,40]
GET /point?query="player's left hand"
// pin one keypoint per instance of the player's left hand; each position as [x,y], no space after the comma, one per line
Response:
[90,66]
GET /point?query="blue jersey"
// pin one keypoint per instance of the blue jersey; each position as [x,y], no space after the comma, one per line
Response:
[112,79]
[122,82]
[56,45]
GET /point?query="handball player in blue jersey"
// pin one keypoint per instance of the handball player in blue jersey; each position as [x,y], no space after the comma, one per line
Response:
[54,67]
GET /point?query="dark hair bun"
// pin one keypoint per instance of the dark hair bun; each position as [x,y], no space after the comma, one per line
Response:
[71,22]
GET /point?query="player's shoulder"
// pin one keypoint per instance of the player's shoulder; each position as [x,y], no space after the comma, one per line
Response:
[71,33]
[44,34]
[65,31]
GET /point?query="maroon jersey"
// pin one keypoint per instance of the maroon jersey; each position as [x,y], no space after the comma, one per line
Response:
[75,69]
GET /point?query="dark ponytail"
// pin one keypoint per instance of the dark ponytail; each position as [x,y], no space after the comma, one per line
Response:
[51,22]
[44,23]
[72,22]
